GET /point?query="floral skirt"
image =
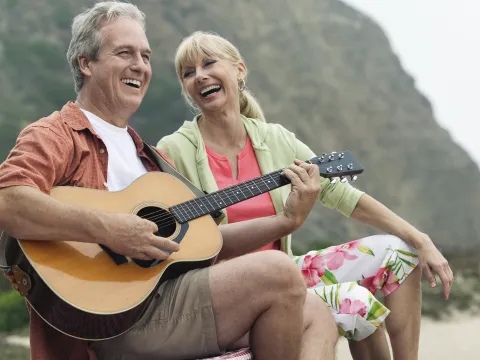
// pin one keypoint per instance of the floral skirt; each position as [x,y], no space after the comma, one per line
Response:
[347,277]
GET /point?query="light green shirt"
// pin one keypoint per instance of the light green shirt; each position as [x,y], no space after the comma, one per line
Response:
[275,148]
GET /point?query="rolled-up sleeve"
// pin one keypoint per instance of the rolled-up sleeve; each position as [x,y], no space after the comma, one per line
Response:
[37,160]
[340,196]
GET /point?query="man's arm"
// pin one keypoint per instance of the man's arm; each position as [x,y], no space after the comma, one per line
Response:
[28,214]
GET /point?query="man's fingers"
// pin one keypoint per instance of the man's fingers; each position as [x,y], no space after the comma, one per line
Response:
[155,253]
[162,243]
[152,225]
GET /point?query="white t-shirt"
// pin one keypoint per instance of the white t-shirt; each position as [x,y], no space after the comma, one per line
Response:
[124,164]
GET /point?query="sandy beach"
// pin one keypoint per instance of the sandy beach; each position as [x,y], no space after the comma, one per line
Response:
[444,340]
[441,340]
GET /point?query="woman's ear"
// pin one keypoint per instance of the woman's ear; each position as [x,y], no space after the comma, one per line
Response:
[242,71]
[84,65]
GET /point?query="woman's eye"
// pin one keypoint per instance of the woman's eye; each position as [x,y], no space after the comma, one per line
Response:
[210,62]
[187,73]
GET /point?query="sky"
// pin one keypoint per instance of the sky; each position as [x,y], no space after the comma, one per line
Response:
[438,42]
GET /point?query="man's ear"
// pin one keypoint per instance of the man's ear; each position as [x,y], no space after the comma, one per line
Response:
[84,64]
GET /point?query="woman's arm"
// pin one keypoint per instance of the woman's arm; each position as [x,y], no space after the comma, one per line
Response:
[371,212]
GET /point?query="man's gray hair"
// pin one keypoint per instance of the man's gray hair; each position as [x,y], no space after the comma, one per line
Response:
[86,38]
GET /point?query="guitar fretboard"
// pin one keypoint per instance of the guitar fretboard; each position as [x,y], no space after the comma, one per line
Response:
[221,199]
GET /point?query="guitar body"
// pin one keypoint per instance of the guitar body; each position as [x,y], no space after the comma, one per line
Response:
[78,288]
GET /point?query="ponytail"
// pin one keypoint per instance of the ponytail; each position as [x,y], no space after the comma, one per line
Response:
[249,106]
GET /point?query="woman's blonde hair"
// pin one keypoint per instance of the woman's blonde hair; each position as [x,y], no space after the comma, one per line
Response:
[204,45]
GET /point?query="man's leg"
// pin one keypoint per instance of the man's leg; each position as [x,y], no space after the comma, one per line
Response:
[263,294]
[320,332]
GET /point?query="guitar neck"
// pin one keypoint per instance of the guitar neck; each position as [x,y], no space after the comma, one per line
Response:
[231,195]
[330,165]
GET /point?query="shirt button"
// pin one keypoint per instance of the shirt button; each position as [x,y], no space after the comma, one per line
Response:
[102,151]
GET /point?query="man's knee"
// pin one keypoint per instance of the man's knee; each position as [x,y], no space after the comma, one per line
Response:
[270,274]
[277,269]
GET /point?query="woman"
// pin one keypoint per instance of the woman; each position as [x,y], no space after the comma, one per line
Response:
[229,142]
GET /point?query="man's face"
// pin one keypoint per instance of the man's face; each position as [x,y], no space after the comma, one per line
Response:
[122,73]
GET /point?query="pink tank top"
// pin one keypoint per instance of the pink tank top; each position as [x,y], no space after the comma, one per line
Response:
[248,168]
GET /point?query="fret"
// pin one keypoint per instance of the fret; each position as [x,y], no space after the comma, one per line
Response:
[249,188]
[235,192]
[265,183]
[178,214]
[221,199]
[209,207]
[226,198]
[186,208]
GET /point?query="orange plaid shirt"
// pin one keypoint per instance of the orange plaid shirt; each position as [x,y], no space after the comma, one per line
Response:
[61,149]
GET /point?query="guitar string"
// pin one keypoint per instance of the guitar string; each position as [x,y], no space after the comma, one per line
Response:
[171,219]
[159,215]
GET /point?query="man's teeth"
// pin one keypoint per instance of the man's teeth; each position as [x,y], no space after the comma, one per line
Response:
[210,88]
[133,82]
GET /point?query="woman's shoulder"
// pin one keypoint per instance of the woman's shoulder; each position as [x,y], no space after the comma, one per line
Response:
[184,134]
[268,128]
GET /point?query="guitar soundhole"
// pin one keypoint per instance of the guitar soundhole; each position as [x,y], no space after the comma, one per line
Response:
[164,220]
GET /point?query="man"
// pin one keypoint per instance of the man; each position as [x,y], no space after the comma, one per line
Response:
[259,302]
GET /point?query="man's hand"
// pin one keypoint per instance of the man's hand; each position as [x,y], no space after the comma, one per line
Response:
[305,179]
[132,236]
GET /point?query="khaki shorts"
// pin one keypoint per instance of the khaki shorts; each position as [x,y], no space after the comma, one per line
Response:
[178,324]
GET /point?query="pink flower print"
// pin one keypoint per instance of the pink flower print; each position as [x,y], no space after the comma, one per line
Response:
[368,284]
[336,257]
[355,307]
[352,244]
[391,284]
[313,269]
[385,280]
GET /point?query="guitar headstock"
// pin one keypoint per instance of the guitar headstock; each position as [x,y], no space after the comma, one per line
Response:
[337,164]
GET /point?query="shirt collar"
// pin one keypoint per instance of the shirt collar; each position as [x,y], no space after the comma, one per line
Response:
[77,120]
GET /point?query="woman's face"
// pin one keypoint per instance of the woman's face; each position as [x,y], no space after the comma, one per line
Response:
[212,84]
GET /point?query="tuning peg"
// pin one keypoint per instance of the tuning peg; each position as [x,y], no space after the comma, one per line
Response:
[333,181]
[331,157]
[341,155]
[329,169]
[343,179]
[350,166]
[353,178]
[339,167]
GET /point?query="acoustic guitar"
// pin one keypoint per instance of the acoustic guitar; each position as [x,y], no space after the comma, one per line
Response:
[89,292]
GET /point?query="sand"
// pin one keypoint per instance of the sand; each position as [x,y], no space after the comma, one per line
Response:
[456,339]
